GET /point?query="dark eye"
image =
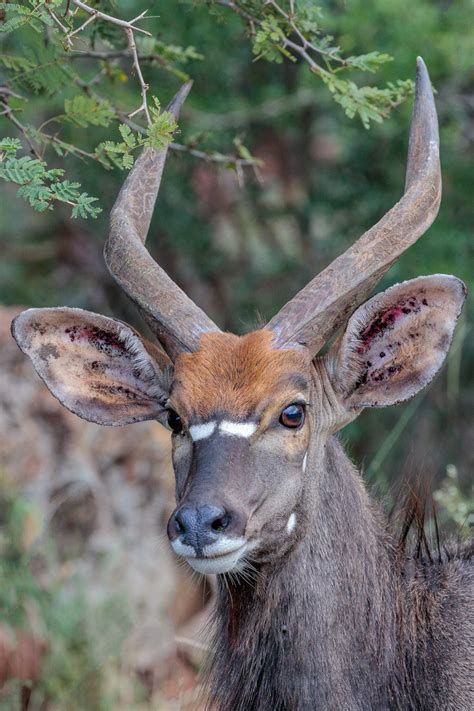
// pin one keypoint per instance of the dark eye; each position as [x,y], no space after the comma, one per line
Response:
[292,416]
[174,422]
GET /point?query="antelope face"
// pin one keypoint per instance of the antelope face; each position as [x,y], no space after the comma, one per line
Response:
[238,410]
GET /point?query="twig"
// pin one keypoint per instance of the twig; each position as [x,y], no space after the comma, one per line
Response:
[129,27]
[236,8]
[286,43]
[6,91]
[8,113]
[143,87]
[215,157]
[109,18]
[90,19]
[58,22]
[306,43]
[46,138]
[219,158]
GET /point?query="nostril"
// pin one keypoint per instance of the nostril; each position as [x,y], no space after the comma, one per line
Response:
[179,523]
[221,523]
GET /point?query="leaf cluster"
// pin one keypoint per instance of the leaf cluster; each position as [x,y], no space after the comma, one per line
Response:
[158,135]
[48,48]
[42,187]
[294,31]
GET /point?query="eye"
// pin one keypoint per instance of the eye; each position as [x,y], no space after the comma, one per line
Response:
[292,416]
[174,422]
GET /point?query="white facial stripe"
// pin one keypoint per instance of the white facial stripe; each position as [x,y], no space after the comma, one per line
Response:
[198,432]
[305,461]
[290,526]
[237,429]
[234,429]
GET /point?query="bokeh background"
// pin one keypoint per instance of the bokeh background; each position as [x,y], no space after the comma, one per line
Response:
[107,619]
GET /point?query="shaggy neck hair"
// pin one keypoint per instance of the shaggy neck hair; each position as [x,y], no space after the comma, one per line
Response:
[344,621]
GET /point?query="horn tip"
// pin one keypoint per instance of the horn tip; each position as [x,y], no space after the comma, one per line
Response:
[423,80]
[176,103]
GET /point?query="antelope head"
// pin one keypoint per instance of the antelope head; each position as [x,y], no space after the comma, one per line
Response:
[249,415]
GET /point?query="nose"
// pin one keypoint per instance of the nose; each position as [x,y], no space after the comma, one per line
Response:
[200,526]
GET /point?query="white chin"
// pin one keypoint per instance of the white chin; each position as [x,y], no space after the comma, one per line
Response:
[218,565]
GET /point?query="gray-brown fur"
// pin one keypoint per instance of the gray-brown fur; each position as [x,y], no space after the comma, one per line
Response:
[346,620]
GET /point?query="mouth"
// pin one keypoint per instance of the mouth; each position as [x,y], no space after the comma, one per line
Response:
[216,565]
[218,558]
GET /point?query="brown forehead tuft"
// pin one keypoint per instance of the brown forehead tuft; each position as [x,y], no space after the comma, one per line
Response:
[234,374]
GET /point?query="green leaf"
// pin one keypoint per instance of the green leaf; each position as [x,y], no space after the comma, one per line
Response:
[41,187]
[369,62]
[127,135]
[160,132]
[21,170]
[37,194]
[45,72]
[127,161]
[15,63]
[368,102]
[9,146]
[84,207]
[86,111]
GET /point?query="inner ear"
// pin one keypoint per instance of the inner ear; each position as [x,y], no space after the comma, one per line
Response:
[97,367]
[395,343]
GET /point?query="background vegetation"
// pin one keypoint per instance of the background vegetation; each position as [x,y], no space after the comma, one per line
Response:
[292,143]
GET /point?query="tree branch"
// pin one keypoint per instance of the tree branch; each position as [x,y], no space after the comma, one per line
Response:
[129,27]
[109,18]
[301,50]
[143,87]
[23,130]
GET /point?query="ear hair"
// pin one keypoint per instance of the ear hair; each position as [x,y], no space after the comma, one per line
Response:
[144,367]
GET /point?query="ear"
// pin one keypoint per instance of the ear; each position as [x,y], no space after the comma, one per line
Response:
[396,342]
[97,367]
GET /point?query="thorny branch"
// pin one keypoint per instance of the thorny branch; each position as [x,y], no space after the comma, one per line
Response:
[220,158]
[143,87]
[289,17]
[300,49]
[6,111]
[129,28]
[109,18]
